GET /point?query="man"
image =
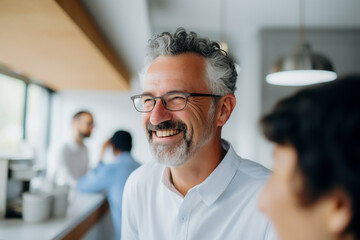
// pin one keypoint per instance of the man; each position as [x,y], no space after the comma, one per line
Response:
[198,188]
[112,177]
[314,190]
[70,160]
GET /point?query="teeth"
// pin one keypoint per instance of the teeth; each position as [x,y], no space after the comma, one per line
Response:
[167,133]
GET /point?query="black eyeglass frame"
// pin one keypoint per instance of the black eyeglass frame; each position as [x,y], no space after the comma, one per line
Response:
[186,95]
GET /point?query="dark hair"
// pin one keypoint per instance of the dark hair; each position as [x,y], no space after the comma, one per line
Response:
[323,124]
[122,141]
[78,114]
[221,72]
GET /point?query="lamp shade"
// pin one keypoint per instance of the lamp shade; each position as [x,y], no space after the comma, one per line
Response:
[301,67]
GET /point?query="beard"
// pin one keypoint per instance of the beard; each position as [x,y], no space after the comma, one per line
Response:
[84,134]
[176,154]
[171,155]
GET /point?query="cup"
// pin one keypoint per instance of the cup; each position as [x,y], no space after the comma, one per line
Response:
[60,201]
[36,206]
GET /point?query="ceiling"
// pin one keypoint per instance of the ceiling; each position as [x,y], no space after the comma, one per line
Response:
[127,25]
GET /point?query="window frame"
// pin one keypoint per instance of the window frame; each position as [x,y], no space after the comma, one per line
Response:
[28,81]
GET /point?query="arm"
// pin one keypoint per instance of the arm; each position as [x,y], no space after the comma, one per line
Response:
[106,144]
[96,180]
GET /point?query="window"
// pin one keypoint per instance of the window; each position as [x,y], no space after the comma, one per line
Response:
[24,118]
[12,100]
[38,101]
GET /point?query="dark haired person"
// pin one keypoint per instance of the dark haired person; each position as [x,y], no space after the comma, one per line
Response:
[70,160]
[314,190]
[197,187]
[111,177]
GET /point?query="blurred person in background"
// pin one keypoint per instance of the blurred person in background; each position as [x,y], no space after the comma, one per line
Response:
[70,160]
[111,177]
[314,190]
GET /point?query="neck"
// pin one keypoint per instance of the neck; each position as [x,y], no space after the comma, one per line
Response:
[78,139]
[117,153]
[195,170]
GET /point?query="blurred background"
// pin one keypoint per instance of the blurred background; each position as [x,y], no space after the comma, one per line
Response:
[59,57]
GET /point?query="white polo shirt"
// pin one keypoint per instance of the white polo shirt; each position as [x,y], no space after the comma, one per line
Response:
[222,207]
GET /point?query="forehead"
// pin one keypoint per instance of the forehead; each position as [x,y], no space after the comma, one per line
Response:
[86,117]
[183,72]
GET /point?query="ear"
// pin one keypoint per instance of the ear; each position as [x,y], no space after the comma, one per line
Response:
[340,212]
[226,105]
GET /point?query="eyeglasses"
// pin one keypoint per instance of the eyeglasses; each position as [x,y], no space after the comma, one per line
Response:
[174,101]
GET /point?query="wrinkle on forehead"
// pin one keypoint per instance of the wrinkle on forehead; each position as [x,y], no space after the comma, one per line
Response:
[183,71]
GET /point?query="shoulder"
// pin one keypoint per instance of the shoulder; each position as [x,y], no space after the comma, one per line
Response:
[147,172]
[63,147]
[250,176]
[246,168]
[126,159]
[253,170]
[57,151]
[147,176]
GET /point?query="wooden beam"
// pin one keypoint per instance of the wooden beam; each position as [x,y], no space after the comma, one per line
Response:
[80,16]
[42,42]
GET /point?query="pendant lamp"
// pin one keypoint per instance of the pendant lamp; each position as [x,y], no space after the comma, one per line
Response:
[302,66]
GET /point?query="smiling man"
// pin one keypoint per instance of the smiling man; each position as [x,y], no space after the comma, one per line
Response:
[198,188]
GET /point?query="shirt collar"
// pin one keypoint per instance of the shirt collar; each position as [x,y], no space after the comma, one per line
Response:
[124,157]
[216,183]
[166,180]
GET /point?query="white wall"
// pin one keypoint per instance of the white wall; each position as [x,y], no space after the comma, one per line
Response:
[111,111]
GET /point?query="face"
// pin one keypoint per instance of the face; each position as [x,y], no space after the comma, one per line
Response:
[174,136]
[84,125]
[279,200]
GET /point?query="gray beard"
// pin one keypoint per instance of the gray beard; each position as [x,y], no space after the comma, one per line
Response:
[169,155]
[175,155]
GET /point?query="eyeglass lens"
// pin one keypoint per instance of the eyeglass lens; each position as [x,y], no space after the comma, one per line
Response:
[173,101]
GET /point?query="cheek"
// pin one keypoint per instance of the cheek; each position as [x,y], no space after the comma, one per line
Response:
[278,203]
[197,115]
[274,199]
[267,198]
[145,118]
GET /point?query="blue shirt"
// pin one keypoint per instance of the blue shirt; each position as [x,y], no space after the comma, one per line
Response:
[110,178]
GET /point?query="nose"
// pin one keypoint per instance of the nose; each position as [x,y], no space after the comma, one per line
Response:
[159,114]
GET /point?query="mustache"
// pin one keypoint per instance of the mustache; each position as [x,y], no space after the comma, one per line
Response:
[167,125]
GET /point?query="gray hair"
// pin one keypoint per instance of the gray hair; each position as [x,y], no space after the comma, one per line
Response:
[220,68]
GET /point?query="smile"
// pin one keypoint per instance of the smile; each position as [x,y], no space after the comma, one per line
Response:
[167,133]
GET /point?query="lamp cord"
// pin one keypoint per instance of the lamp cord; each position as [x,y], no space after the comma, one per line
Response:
[302,33]
[223,20]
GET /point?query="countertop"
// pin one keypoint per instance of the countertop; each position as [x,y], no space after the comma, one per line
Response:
[55,228]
